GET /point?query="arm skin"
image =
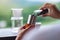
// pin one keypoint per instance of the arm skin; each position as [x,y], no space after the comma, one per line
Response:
[20,34]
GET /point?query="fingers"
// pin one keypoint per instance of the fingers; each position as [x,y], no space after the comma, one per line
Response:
[49,7]
[44,15]
[26,27]
[31,26]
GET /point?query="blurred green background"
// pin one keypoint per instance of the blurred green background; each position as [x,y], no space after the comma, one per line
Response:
[29,7]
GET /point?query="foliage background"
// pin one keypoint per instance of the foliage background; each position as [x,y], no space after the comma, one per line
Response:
[29,7]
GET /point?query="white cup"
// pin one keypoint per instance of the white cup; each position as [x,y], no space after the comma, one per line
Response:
[37,25]
[17,12]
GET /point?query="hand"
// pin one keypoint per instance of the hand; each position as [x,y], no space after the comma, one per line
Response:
[53,11]
[22,31]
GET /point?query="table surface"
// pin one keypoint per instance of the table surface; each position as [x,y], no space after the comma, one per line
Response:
[8,32]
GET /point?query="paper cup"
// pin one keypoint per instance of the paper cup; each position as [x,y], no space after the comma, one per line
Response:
[37,25]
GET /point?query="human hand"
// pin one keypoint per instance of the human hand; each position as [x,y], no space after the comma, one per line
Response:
[52,10]
[23,30]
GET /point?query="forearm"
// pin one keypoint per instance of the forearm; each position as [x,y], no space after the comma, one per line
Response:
[18,36]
